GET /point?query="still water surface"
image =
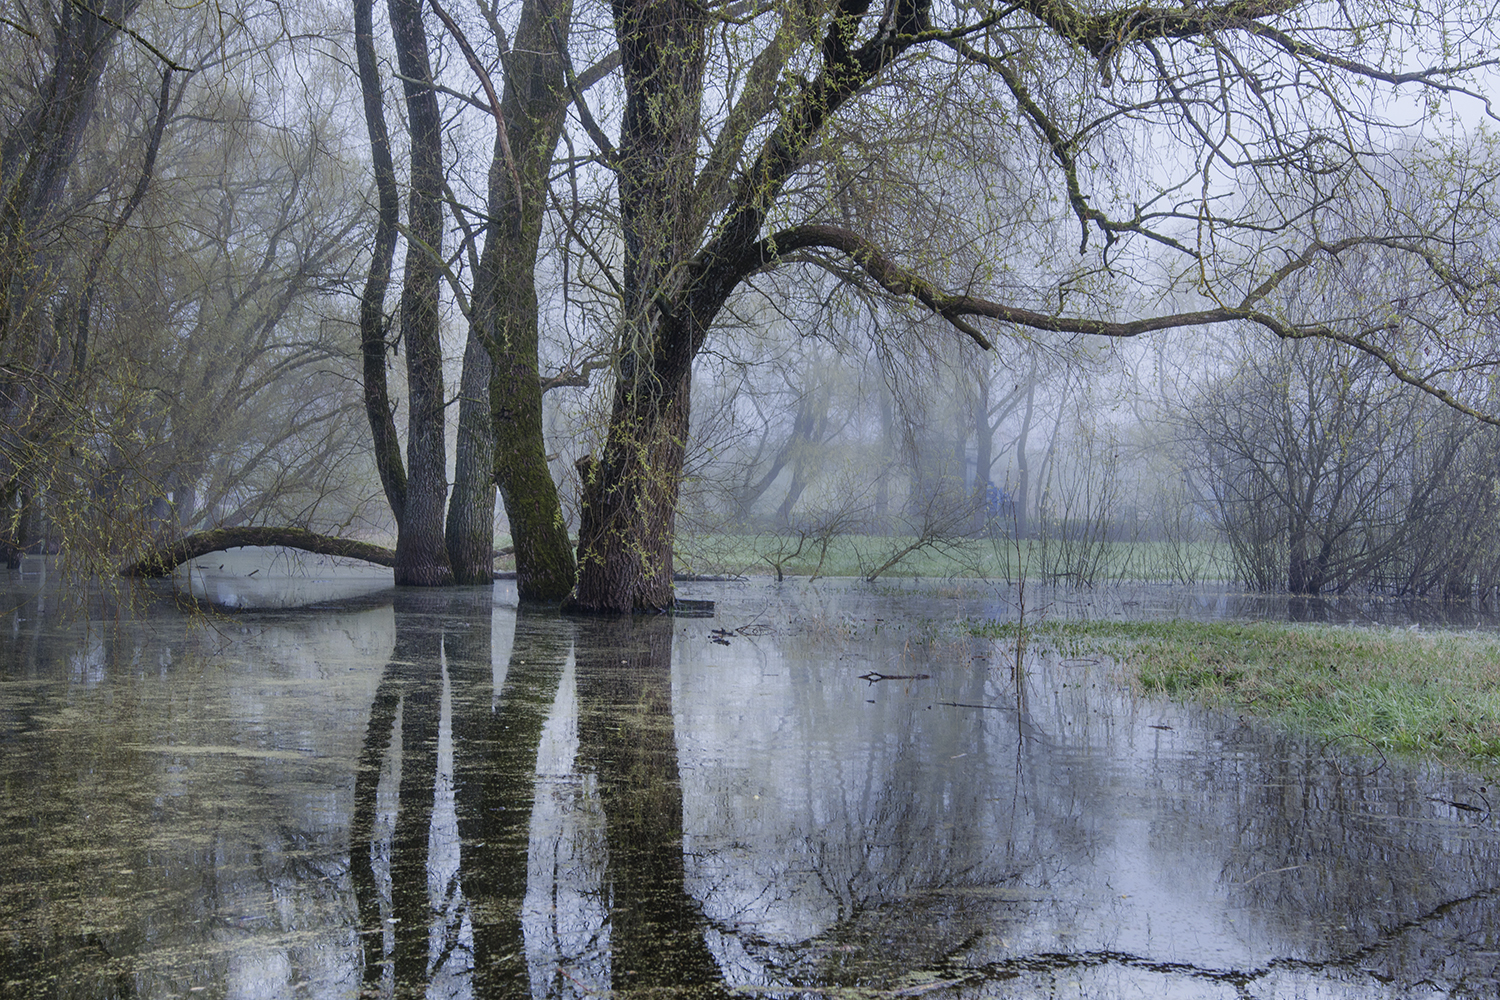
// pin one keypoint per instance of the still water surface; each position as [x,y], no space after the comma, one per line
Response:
[821,791]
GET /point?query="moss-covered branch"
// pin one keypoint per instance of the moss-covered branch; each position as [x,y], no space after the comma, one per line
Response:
[163,560]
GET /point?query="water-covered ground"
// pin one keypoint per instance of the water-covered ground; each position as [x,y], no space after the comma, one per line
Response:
[821,791]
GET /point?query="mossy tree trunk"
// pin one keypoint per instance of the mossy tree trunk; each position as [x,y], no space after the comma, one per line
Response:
[505,313]
[470,529]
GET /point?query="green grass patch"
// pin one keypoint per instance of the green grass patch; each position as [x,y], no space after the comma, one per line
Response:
[979,558]
[1433,695]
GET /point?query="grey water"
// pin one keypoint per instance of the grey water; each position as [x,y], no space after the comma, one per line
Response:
[320,786]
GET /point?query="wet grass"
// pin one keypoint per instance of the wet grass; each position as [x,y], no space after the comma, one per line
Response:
[1427,694]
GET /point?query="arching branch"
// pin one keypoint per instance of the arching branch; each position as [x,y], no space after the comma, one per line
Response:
[161,561]
[957,309]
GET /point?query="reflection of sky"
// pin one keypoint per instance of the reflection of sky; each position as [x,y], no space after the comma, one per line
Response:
[565,918]
[253,577]
[821,809]
[834,831]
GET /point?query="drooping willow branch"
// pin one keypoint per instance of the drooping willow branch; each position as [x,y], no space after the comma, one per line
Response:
[959,308]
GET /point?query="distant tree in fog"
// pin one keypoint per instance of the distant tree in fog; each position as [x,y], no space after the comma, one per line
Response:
[1326,475]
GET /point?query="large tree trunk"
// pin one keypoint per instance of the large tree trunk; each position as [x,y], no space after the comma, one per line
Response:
[630,504]
[630,494]
[421,553]
[505,313]
[673,289]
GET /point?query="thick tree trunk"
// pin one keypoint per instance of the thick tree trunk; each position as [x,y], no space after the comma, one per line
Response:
[673,288]
[630,505]
[421,553]
[630,494]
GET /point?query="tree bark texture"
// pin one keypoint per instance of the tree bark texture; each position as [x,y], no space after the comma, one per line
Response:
[421,551]
[372,331]
[630,493]
[470,529]
[505,315]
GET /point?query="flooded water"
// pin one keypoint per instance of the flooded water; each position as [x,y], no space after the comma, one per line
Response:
[821,791]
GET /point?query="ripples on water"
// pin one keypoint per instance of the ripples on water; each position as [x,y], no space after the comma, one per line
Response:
[409,793]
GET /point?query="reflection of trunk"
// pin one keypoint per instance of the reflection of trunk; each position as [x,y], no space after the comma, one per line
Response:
[378,738]
[626,736]
[495,742]
[412,687]
[417,657]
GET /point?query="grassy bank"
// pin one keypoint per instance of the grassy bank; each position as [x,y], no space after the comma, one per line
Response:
[1430,694]
[1049,559]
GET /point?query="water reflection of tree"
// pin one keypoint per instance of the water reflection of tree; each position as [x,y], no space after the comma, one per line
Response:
[415,931]
[1377,852]
[627,739]
[846,836]
[415,924]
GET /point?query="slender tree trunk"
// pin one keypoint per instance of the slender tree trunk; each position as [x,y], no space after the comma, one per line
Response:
[470,529]
[984,455]
[421,553]
[372,332]
[1023,465]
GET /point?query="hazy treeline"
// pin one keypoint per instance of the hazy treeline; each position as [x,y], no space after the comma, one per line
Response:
[194,334]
